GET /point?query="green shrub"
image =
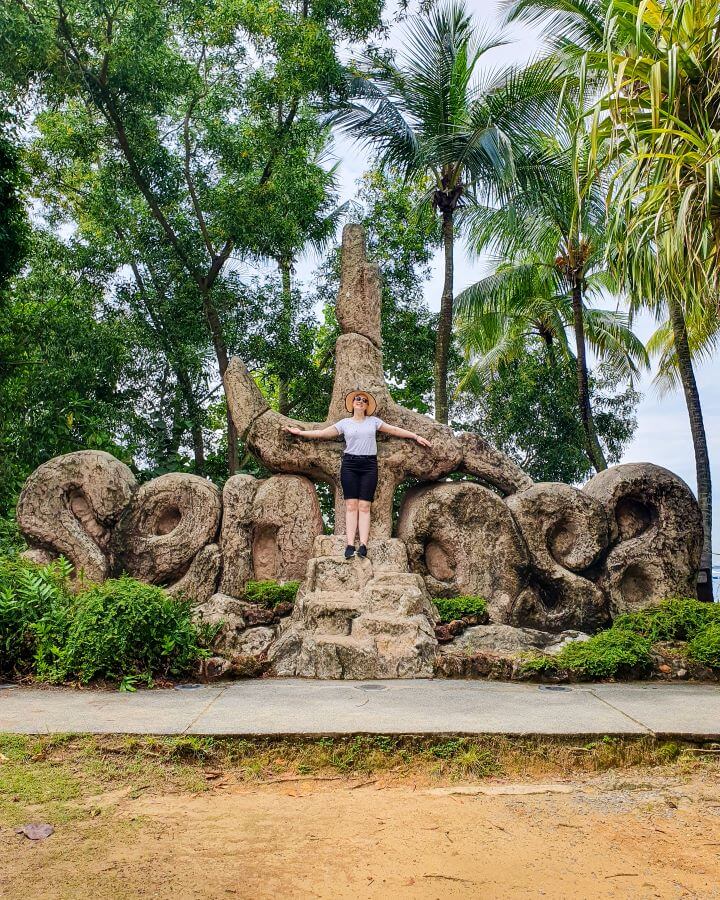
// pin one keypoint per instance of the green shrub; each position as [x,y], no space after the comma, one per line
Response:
[675,619]
[611,652]
[705,646]
[452,608]
[11,541]
[540,664]
[270,593]
[27,592]
[117,630]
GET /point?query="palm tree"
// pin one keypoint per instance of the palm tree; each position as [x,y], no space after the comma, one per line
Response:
[661,120]
[662,63]
[549,230]
[428,114]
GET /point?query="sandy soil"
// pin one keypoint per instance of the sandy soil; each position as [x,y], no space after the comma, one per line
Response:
[603,836]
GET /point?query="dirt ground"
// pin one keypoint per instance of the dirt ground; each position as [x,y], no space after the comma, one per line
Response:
[645,833]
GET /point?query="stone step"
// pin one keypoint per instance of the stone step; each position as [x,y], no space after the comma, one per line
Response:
[386,554]
[324,656]
[330,613]
[394,627]
[399,594]
[335,573]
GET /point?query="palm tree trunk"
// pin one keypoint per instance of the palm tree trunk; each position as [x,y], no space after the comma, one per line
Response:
[284,381]
[592,448]
[697,428]
[444,332]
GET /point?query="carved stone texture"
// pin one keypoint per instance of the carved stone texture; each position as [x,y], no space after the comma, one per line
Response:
[359,306]
[268,529]
[200,581]
[462,539]
[566,532]
[350,621]
[227,613]
[170,519]
[70,505]
[358,365]
[480,458]
[508,639]
[656,522]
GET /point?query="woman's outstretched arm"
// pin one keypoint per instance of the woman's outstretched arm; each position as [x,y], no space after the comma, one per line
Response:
[403,433]
[320,434]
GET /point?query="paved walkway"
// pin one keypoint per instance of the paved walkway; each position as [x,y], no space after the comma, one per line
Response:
[299,707]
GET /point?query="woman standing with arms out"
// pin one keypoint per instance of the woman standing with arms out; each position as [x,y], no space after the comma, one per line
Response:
[359,470]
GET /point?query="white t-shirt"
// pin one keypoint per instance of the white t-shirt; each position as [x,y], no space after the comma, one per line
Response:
[360,436]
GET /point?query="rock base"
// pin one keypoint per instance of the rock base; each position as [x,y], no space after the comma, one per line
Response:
[358,618]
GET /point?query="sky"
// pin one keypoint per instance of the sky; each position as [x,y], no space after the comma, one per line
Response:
[663,433]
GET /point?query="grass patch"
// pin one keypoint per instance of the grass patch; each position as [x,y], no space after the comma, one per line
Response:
[452,608]
[60,776]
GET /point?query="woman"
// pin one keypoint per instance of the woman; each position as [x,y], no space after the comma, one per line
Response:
[358,473]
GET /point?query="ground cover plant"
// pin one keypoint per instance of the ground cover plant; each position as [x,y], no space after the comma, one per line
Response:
[269,593]
[122,631]
[454,608]
[625,648]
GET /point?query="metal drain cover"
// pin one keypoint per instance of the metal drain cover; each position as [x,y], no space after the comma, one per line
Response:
[370,687]
[552,687]
[187,687]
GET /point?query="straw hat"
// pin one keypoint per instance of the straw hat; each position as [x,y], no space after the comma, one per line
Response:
[371,407]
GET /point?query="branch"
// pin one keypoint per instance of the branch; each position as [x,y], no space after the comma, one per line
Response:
[105,104]
[282,131]
[189,182]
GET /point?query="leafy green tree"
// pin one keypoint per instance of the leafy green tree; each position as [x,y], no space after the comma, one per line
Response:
[14,227]
[549,228]
[528,407]
[428,114]
[192,106]
[62,362]
[660,62]
[664,105]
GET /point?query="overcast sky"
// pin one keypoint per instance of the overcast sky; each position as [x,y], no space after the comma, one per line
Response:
[663,434]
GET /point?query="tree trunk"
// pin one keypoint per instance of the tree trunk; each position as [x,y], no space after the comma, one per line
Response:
[592,444]
[697,428]
[444,331]
[173,358]
[195,414]
[221,354]
[285,325]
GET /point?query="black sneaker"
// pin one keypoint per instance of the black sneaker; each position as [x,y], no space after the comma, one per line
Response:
[362,550]
[349,551]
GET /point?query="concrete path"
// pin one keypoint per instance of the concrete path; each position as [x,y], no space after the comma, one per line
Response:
[304,707]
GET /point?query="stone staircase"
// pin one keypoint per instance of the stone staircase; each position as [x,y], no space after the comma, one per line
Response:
[358,618]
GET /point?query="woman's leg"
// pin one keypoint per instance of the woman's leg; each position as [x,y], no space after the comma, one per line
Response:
[364,520]
[351,520]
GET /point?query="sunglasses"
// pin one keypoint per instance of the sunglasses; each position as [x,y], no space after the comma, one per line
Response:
[362,399]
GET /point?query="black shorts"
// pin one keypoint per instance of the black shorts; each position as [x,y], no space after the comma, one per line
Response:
[358,476]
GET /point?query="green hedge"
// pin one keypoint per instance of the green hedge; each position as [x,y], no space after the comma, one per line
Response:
[122,630]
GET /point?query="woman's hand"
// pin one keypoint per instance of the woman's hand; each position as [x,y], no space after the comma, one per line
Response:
[293,430]
[424,442]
